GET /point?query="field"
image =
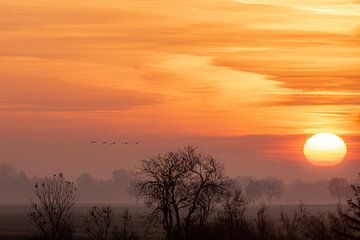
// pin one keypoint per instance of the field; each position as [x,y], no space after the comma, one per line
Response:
[14,223]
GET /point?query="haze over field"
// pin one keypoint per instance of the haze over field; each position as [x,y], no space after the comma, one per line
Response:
[246,81]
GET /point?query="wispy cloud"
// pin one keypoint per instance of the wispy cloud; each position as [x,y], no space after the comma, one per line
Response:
[53,95]
[229,68]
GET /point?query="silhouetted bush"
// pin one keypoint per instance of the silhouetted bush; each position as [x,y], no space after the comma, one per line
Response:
[99,222]
[235,223]
[52,209]
[290,226]
[264,227]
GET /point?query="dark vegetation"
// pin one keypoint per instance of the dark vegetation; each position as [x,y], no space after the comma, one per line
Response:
[187,196]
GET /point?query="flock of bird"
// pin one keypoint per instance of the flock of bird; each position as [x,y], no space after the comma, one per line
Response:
[114,143]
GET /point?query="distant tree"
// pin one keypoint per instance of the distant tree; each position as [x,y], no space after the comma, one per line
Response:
[272,187]
[52,208]
[85,180]
[121,175]
[254,191]
[134,190]
[181,188]
[7,172]
[339,188]
[99,222]
[123,178]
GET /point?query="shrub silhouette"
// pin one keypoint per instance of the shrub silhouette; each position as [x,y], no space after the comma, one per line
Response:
[233,218]
[52,209]
[99,222]
[290,226]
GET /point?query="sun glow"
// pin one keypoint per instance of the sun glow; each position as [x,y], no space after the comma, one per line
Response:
[325,149]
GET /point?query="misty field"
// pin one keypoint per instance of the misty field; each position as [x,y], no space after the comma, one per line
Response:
[14,222]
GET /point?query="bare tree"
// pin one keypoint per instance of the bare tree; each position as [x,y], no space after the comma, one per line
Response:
[99,222]
[339,188]
[181,188]
[52,208]
[272,187]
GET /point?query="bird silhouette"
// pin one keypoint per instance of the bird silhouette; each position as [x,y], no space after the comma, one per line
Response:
[126,143]
[105,142]
[113,143]
[138,142]
[93,142]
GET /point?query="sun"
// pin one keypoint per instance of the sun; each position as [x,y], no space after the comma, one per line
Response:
[325,149]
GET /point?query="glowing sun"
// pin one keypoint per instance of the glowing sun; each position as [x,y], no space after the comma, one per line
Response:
[325,149]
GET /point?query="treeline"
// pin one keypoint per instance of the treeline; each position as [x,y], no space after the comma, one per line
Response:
[118,189]
[188,196]
[18,186]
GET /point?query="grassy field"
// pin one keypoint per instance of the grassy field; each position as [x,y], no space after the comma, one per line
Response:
[14,223]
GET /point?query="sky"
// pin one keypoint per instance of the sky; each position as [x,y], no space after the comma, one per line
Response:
[247,81]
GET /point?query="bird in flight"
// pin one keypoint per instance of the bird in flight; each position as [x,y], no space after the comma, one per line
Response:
[114,143]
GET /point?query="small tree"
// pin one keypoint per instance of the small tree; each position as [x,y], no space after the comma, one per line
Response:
[99,222]
[181,188]
[339,188]
[272,187]
[52,208]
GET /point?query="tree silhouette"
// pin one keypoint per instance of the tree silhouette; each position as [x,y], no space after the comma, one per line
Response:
[254,191]
[272,187]
[181,188]
[52,208]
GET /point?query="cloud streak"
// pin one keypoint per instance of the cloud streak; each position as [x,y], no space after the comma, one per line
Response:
[231,68]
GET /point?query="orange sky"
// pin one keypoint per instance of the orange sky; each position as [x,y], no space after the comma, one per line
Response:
[146,69]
